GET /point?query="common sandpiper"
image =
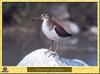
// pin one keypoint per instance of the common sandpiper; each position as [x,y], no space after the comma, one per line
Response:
[53,31]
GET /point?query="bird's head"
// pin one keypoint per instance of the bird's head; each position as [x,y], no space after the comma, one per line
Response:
[45,16]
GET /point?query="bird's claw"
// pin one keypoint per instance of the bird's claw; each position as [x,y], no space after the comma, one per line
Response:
[51,53]
[47,51]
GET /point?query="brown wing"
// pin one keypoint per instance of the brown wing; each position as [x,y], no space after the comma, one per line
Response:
[61,31]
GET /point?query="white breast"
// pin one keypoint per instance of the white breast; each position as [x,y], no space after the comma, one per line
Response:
[51,34]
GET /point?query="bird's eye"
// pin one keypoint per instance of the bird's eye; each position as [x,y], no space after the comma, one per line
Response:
[44,15]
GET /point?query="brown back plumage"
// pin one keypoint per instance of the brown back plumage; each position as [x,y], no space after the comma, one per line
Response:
[60,30]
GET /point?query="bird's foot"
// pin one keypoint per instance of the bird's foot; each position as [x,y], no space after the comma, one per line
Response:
[50,52]
[54,54]
[47,51]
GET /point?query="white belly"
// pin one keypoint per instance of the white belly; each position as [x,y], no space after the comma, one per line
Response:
[51,34]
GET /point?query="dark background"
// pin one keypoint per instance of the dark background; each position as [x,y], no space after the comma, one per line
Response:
[21,35]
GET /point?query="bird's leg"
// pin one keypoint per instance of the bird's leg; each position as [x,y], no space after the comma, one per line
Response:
[51,44]
[56,47]
[55,53]
[50,49]
[61,46]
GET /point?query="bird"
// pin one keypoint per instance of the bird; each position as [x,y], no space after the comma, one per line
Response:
[53,31]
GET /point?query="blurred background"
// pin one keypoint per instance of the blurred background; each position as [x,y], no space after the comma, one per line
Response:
[21,35]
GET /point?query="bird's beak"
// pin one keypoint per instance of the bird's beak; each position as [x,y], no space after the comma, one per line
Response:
[34,19]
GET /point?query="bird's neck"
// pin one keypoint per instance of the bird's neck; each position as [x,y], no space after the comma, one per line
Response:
[47,23]
[47,20]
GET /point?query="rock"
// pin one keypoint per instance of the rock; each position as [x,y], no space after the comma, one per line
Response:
[39,58]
